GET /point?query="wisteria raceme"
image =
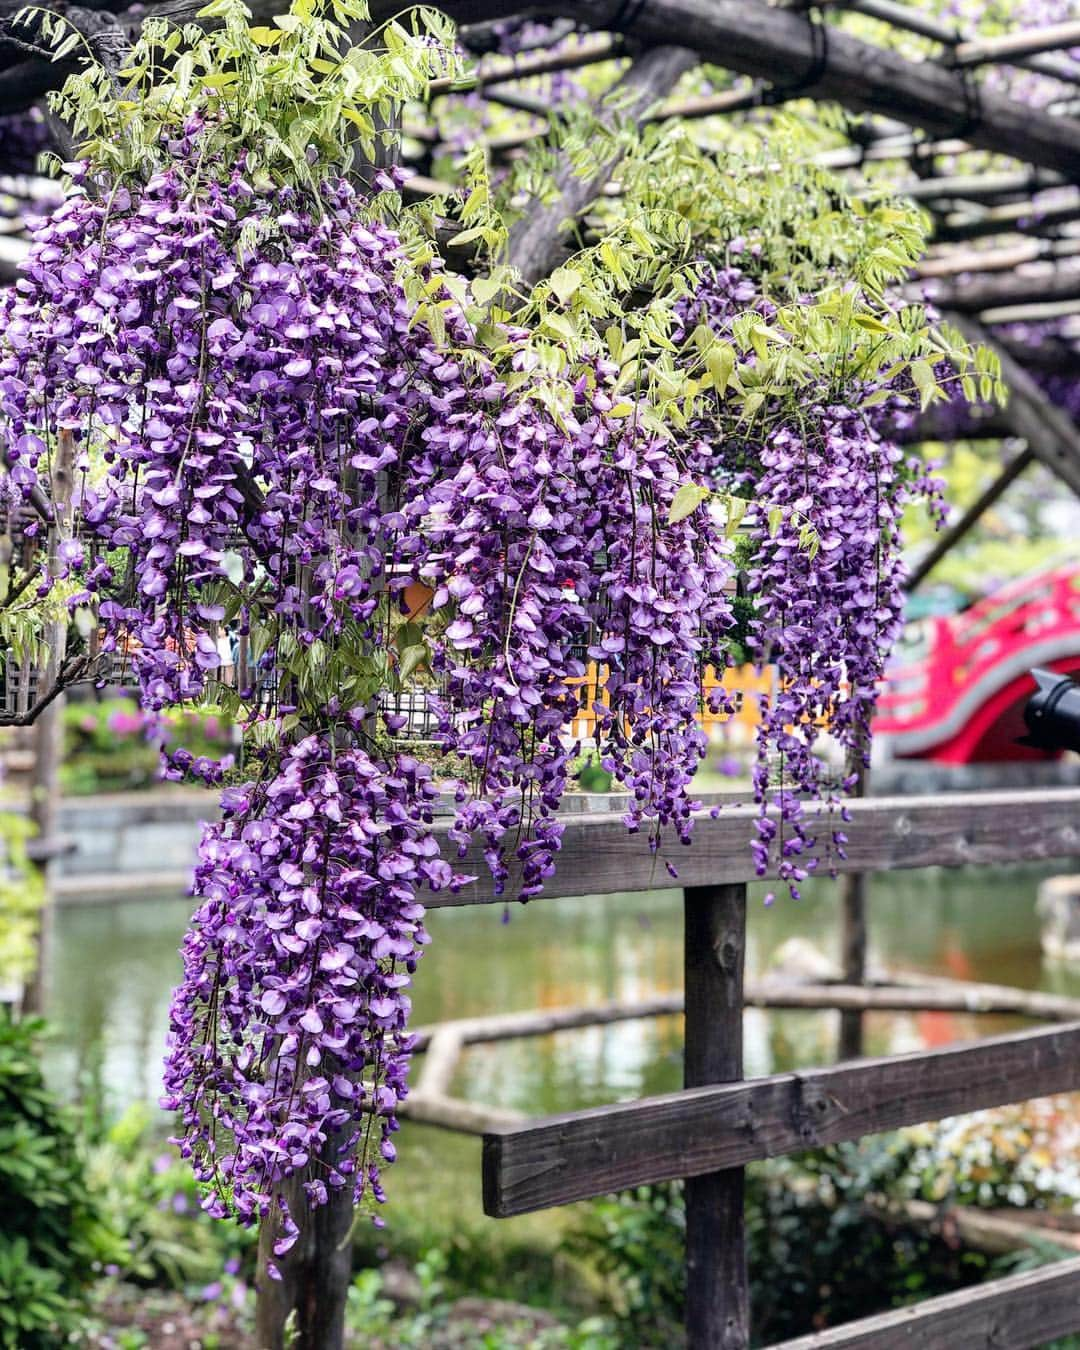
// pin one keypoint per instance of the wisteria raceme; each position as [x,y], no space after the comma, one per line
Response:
[589,577]
[288,1042]
[826,489]
[825,616]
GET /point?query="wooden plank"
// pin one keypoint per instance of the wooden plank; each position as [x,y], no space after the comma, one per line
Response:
[884,834]
[756,39]
[717,1281]
[1015,1313]
[588,1153]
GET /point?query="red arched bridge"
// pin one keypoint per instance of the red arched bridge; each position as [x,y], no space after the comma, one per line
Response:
[961,699]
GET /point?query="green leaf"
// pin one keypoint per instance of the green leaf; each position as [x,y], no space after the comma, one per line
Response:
[564,281]
[922,375]
[720,363]
[686,501]
[560,326]
[485,289]
[411,659]
[466,236]
[736,510]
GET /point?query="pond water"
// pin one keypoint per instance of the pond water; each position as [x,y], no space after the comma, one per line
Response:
[113,966]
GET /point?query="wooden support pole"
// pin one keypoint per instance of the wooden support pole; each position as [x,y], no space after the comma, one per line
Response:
[537,241]
[717,1291]
[49,727]
[950,537]
[853,939]
[305,1309]
[853,891]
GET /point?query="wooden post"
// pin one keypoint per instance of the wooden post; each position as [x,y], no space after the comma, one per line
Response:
[49,728]
[853,955]
[305,1309]
[853,888]
[717,1295]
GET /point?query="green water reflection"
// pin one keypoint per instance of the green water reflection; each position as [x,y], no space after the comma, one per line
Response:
[114,964]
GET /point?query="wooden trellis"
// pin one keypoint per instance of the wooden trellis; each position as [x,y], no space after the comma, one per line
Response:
[708,1133]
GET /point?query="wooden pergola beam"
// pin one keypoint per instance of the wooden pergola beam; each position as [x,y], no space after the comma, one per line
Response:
[1051,435]
[1004,288]
[909,19]
[597,47]
[536,242]
[957,261]
[1026,217]
[978,186]
[1024,42]
[948,539]
[755,39]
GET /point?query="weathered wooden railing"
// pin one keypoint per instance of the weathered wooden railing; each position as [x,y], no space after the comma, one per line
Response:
[707,1133]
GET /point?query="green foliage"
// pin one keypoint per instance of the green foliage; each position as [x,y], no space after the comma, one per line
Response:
[106,748]
[761,205]
[636,1240]
[22,894]
[811,1234]
[150,1196]
[54,1235]
[310,82]
[433,1319]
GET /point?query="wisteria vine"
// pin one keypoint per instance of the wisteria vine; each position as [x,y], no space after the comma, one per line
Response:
[284,416]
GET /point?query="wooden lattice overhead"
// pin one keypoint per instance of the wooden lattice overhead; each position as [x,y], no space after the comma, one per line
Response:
[982,130]
[1015,214]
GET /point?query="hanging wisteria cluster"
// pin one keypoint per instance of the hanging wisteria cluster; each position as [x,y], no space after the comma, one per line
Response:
[286,417]
[283,444]
[823,490]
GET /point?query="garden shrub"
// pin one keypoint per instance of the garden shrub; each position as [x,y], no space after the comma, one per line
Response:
[53,1238]
[809,1234]
[112,745]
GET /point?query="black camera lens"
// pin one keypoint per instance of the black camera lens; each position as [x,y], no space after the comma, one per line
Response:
[1052,715]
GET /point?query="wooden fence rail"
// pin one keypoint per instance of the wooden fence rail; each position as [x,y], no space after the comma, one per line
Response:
[1014,1313]
[684,1134]
[885,834]
[707,1133]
